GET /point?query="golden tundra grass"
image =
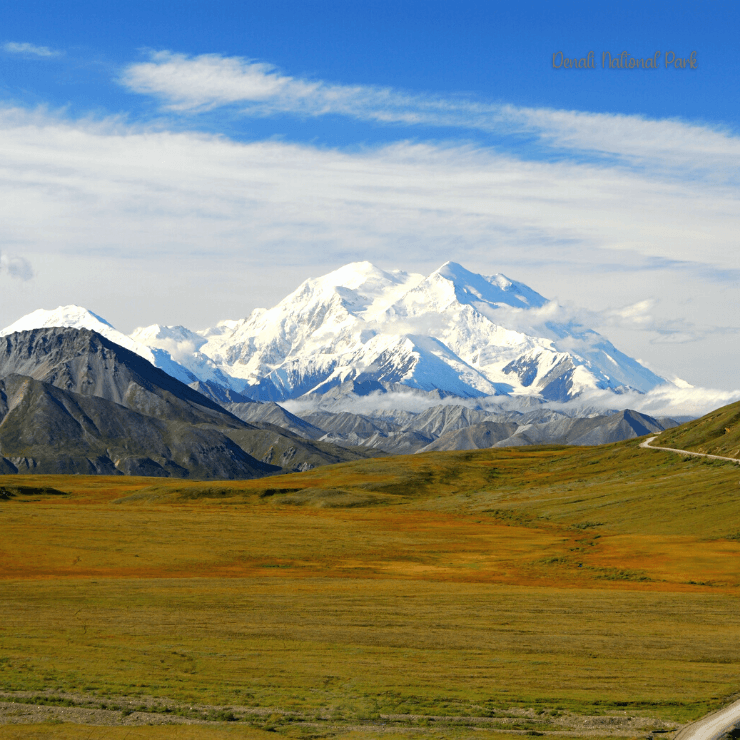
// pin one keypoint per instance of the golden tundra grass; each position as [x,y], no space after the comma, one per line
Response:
[586,580]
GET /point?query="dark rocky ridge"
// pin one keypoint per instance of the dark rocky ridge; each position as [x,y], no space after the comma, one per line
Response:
[75,402]
[44,429]
[83,361]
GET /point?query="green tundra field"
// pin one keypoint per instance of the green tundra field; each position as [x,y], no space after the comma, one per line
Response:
[577,592]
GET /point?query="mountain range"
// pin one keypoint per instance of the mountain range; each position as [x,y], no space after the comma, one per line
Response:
[453,331]
[478,356]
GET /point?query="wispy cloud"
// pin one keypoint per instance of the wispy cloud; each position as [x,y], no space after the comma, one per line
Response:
[641,316]
[640,140]
[196,84]
[16,267]
[79,197]
[30,50]
[87,180]
[208,81]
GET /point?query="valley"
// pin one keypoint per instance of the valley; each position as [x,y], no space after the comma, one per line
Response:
[548,590]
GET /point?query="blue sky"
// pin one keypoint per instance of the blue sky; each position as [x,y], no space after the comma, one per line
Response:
[486,51]
[184,162]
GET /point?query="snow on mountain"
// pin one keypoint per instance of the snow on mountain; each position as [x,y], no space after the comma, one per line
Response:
[453,330]
[320,324]
[168,337]
[470,288]
[182,346]
[77,317]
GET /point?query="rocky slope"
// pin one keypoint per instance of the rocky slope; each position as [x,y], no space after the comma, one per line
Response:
[44,429]
[456,427]
[117,412]
[85,362]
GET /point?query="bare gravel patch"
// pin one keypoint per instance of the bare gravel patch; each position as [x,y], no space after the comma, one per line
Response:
[29,708]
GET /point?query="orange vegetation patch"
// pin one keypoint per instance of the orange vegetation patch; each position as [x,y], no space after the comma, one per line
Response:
[87,535]
[433,594]
[676,559]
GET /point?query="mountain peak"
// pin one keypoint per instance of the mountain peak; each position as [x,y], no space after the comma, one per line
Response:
[496,290]
[72,316]
[359,287]
[76,317]
[452,269]
[361,276]
[454,330]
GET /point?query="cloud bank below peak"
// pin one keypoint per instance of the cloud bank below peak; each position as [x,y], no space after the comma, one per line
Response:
[663,401]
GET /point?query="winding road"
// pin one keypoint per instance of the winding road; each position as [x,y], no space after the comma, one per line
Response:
[716,724]
[713,726]
[646,444]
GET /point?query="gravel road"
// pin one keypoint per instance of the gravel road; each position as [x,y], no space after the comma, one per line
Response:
[713,726]
[646,444]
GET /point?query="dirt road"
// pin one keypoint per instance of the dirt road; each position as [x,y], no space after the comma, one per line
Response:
[646,444]
[713,726]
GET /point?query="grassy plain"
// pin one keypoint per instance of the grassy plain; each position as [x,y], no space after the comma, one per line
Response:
[511,587]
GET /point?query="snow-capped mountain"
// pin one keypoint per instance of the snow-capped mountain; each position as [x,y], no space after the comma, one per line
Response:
[182,346]
[454,330]
[76,317]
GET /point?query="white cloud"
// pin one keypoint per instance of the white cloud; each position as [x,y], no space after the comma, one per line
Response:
[99,204]
[14,47]
[16,267]
[640,316]
[665,400]
[195,84]
[673,143]
[102,186]
[207,81]
[210,80]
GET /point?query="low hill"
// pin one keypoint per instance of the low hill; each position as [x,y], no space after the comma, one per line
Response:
[717,433]
[619,487]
